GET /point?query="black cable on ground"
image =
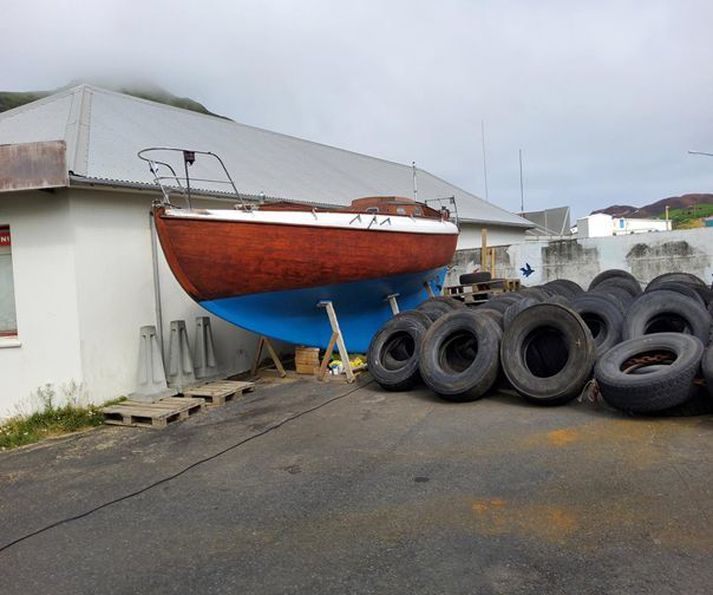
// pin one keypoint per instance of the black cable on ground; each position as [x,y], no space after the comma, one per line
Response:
[182,471]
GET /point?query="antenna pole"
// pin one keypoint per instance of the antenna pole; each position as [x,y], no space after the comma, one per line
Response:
[415,185]
[522,191]
[485,165]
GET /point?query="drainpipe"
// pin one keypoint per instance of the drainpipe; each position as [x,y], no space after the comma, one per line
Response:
[156,286]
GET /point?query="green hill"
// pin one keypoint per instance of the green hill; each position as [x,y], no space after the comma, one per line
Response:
[689,217]
[12,99]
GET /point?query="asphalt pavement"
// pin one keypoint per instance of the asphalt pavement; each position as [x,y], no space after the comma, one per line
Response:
[314,488]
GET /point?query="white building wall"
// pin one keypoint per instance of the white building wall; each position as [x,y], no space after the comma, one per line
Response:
[599,225]
[47,349]
[471,236]
[623,225]
[83,278]
[116,293]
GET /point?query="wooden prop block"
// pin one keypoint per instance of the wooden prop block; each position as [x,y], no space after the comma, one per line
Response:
[307,360]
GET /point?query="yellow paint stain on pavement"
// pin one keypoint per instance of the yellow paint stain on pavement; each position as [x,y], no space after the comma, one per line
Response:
[483,506]
[551,523]
[562,437]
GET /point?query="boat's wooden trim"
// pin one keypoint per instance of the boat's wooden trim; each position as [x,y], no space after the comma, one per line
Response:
[214,259]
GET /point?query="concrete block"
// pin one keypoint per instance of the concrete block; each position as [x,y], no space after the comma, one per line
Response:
[151,379]
[180,361]
[204,350]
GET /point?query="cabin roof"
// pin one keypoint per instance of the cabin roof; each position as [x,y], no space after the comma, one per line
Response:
[104,130]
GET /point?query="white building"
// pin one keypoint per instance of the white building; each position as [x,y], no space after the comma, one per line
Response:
[76,273]
[600,225]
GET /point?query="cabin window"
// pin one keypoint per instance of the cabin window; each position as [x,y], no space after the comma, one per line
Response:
[418,211]
[400,211]
[372,209]
[8,320]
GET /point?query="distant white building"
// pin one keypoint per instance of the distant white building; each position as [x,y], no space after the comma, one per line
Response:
[76,274]
[600,225]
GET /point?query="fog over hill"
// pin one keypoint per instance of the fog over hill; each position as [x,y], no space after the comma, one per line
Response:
[143,90]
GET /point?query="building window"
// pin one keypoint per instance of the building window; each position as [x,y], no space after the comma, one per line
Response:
[8,320]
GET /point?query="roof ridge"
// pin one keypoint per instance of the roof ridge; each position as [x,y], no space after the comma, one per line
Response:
[97,89]
[492,204]
[37,103]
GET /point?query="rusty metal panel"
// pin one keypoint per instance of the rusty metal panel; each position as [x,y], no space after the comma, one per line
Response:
[30,166]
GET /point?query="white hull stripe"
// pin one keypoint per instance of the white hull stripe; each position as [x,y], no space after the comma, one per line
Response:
[362,221]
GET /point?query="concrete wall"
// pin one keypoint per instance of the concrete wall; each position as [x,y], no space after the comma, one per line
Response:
[470,236]
[83,287]
[644,255]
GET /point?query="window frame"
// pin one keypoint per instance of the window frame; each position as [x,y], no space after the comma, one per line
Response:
[9,338]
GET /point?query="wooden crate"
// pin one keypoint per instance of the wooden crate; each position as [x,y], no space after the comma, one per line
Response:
[152,415]
[219,392]
[307,360]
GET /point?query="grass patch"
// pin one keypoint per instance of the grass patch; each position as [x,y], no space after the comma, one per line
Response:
[688,217]
[51,420]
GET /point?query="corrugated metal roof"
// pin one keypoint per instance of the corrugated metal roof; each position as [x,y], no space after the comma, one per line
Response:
[104,130]
[550,221]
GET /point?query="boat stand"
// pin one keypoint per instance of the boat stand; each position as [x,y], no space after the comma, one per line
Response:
[391,298]
[429,289]
[337,339]
[265,342]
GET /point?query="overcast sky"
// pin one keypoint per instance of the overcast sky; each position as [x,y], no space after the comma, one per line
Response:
[604,98]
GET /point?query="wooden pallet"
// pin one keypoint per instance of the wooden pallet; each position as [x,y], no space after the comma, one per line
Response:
[476,293]
[152,415]
[219,392]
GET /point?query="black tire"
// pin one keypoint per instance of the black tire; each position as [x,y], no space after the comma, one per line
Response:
[678,277]
[515,308]
[707,368]
[459,358]
[558,299]
[565,287]
[699,403]
[538,331]
[705,293]
[631,286]
[392,356]
[661,389]
[682,288]
[436,307]
[500,303]
[495,315]
[610,274]
[446,299]
[471,278]
[623,297]
[604,318]
[666,311]
[534,292]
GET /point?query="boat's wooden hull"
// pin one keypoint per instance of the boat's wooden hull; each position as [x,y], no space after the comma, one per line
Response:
[268,276]
[214,259]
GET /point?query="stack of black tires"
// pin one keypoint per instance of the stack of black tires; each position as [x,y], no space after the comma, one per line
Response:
[648,350]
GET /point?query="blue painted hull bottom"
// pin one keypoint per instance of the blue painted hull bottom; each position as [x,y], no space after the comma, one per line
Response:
[293,315]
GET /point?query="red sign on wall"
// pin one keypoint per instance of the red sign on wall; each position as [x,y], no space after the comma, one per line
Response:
[5,239]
